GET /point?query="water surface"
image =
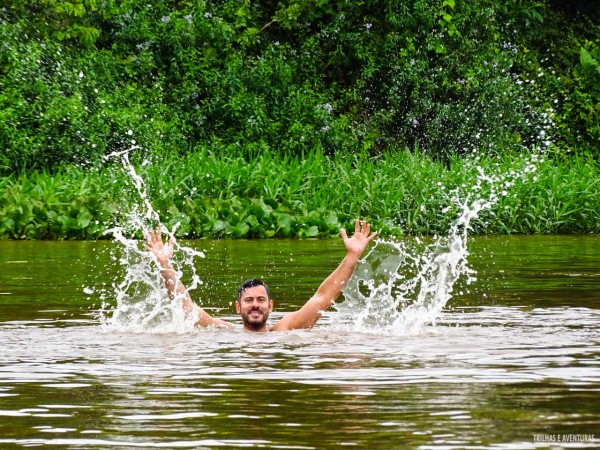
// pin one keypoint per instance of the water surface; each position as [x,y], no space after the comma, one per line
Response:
[512,360]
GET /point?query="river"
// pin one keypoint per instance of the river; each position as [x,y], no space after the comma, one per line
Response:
[512,361]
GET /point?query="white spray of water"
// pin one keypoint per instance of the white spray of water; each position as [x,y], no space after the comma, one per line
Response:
[402,287]
[142,301]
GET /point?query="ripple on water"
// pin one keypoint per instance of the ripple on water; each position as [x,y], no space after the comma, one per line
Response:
[491,344]
[99,387]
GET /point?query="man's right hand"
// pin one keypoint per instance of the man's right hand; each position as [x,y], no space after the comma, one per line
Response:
[162,251]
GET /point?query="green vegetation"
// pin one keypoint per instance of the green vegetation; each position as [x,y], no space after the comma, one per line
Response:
[289,118]
[441,77]
[213,195]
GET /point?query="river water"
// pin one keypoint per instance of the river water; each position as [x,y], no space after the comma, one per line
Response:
[512,361]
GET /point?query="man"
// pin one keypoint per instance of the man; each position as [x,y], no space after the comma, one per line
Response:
[253,300]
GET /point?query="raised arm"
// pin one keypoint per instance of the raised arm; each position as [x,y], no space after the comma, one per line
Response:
[163,253]
[333,285]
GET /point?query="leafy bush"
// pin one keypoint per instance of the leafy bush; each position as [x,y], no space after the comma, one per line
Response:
[560,61]
[59,106]
[290,77]
[59,20]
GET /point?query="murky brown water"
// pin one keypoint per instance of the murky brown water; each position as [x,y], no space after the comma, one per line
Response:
[513,361]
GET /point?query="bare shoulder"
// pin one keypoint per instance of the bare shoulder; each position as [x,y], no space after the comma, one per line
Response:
[304,318]
[285,323]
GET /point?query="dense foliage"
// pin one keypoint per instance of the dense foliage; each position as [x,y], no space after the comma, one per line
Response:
[80,79]
[277,119]
[212,195]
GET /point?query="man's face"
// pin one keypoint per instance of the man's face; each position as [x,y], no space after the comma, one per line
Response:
[254,306]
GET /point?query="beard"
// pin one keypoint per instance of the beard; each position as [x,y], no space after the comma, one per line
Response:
[255,323]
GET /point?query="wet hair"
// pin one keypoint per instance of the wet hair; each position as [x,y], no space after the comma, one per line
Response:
[252,283]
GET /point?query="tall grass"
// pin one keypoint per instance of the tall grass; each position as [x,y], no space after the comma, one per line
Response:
[563,198]
[215,195]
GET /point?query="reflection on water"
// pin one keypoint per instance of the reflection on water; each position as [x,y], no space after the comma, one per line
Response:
[514,355]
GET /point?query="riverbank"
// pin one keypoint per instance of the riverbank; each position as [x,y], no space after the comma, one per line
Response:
[220,195]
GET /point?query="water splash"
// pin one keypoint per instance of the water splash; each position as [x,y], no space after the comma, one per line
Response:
[142,300]
[403,286]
